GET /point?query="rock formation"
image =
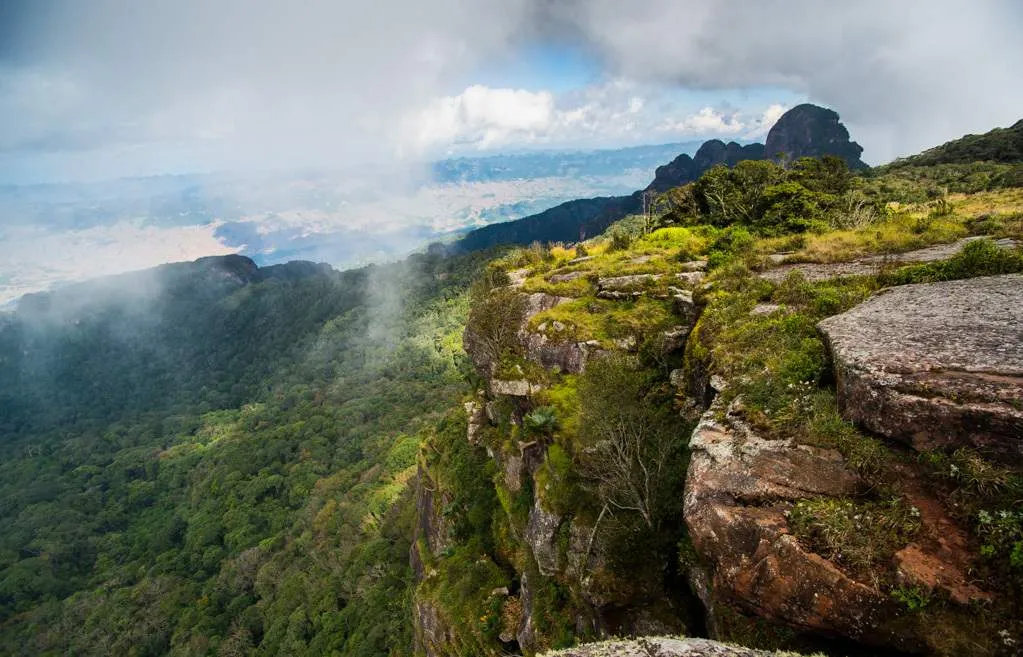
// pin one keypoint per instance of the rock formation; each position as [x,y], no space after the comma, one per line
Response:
[659,647]
[811,131]
[937,366]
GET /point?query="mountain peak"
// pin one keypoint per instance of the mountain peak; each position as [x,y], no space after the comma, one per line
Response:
[809,130]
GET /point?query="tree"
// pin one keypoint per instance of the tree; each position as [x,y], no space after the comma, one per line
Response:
[630,447]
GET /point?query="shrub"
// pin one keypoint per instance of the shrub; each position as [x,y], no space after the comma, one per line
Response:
[541,421]
[861,536]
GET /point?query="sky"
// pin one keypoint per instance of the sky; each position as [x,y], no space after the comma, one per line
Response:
[115,87]
[107,89]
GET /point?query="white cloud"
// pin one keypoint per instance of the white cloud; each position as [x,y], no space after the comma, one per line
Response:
[617,112]
[707,121]
[485,117]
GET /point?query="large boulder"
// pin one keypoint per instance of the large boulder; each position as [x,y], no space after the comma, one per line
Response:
[936,366]
[738,488]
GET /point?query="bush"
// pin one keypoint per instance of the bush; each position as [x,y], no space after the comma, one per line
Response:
[861,536]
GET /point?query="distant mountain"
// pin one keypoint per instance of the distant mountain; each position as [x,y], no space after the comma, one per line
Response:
[803,131]
[685,169]
[205,278]
[1003,145]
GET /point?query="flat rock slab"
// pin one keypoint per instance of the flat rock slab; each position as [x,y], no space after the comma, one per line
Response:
[937,365]
[659,647]
[814,272]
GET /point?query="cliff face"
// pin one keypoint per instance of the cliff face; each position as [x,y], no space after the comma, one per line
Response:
[794,528]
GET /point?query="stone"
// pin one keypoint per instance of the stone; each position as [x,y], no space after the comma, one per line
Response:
[735,494]
[628,343]
[517,277]
[538,302]
[690,279]
[765,309]
[918,569]
[685,306]
[567,277]
[541,536]
[675,338]
[613,295]
[628,284]
[576,261]
[815,272]
[694,265]
[677,378]
[514,388]
[935,366]
[477,420]
[654,646]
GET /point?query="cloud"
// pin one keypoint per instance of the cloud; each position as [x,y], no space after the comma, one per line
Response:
[903,75]
[120,87]
[612,113]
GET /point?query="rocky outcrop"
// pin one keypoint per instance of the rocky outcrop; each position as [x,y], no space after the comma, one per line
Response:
[936,366]
[738,489]
[873,265]
[653,646]
[620,288]
[811,131]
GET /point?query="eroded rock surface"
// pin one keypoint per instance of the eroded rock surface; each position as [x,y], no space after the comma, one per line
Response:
[738,488]
[936,365]
[659,647]
[813,271]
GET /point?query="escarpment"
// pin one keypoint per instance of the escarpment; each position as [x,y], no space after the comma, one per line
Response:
[681,431]
[585,541]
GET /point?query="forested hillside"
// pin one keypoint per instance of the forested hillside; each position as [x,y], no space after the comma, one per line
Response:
[211,458]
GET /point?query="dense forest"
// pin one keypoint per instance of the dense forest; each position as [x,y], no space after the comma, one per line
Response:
[206,458]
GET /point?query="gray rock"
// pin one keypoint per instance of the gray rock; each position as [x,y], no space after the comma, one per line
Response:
[691,279]
[628,343]
[658,647]
[613,295]
[477,420]
[517,277]
[765,309]
[565,278]
[541,536]
[633,283]
[937,365]
[873,264]
[514,388]
[694,265]
[675,338]
[538,302]
[685,306]
[677,378]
